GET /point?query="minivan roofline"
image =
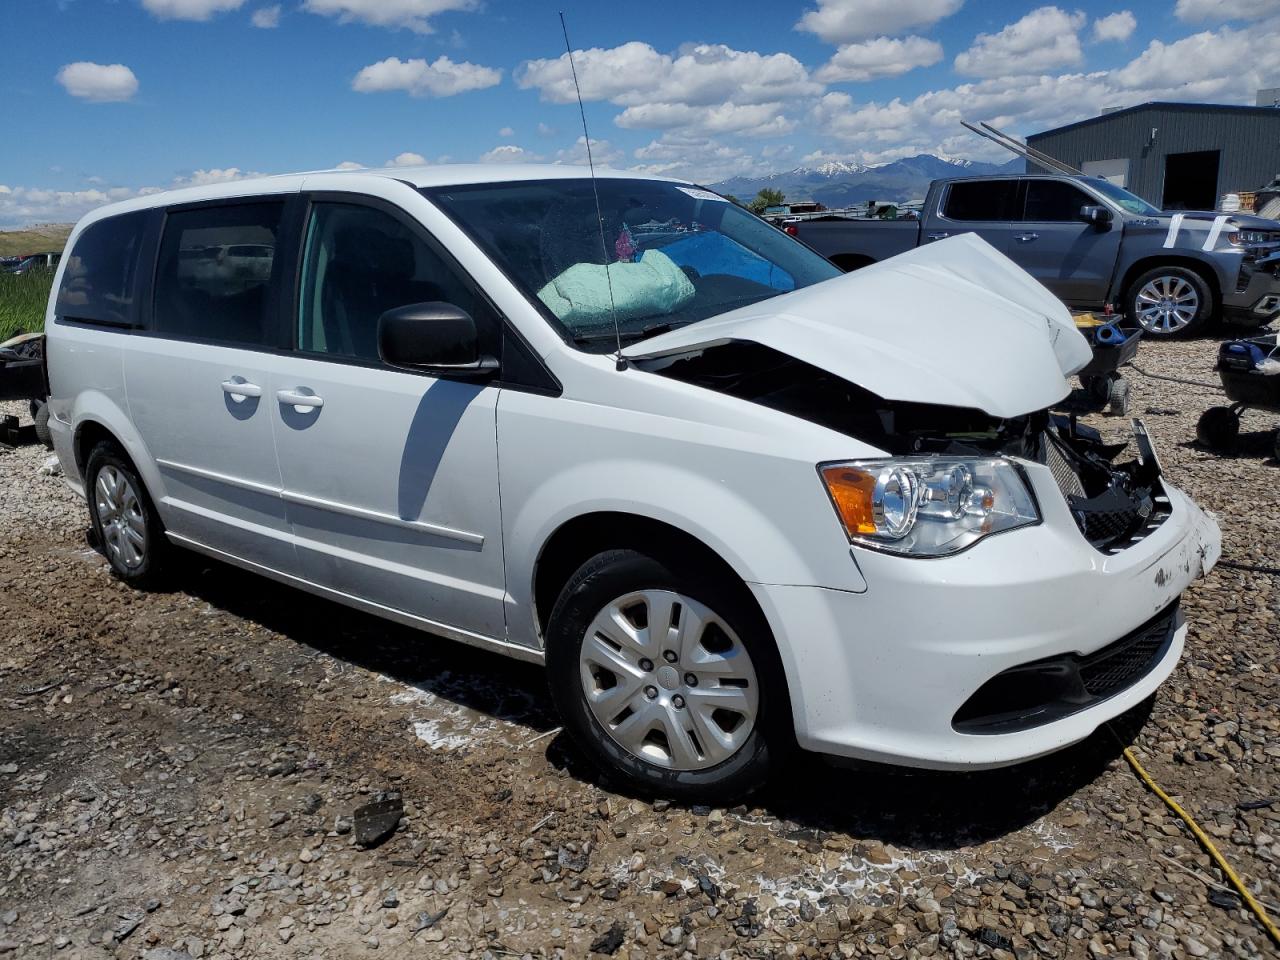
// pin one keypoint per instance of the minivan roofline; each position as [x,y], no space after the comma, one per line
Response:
[434,175]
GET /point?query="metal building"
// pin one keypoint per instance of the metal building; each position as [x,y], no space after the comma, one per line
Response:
[1178,156]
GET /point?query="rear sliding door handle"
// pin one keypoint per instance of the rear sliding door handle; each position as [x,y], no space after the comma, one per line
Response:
[1027,237]
[241,388]
[296,398]
[937,236]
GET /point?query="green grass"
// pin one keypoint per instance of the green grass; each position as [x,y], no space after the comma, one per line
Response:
[23,299]
[41,239]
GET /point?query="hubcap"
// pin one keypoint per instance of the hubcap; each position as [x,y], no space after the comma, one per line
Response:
[124,525]
[1166,304]
[659,715]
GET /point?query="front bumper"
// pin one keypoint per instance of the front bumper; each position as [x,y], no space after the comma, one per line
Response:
[1256,297]
[881,675]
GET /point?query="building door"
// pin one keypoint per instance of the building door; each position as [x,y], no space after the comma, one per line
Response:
[1191,180]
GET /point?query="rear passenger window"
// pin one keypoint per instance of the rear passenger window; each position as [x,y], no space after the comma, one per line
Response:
[97,284]
[1053,201]
[981,200]
[359,263]
[213,280]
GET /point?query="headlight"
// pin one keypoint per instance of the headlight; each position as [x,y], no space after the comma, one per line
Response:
[1244,238]
[928,506]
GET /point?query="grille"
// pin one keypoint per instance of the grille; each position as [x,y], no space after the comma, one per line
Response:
[1063,473]
[1109,529]
[1127,660]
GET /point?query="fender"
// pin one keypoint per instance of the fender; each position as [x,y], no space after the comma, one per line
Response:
[757,546]
[94,406]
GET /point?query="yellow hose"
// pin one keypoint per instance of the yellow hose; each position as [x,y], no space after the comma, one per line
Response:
[1258,910]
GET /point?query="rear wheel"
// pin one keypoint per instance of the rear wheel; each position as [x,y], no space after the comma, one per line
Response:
[1218,428]
[1169,301]
[667,678]
[125,521]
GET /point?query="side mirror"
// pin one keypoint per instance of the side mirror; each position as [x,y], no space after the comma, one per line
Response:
[434,337]
[1096,214]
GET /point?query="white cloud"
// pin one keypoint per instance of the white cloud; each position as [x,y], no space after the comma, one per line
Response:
[603,153]
[701,159]
[1045,38]
[22,205]
[407,159]
[190,9]
[1194,11]
[509,153]
[442,78]
[349,165]
[635,74]
[266,18]
[98,82]
[1229,67]
[757,119]
[845,21]
[546,130]
[881,57]
[412,15]
[506,132]
[1116,26]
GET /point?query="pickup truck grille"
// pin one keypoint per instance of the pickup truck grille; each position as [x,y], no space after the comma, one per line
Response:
[1111,523]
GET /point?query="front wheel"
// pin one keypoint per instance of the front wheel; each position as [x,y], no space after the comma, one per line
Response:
[1169,302]
[667,680]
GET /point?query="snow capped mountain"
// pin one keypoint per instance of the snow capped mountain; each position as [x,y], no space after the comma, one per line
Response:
[843,182]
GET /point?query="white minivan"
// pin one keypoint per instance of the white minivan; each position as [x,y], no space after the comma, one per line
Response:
[737,502]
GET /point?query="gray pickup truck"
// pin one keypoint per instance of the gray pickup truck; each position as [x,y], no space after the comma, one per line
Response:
[1090,242]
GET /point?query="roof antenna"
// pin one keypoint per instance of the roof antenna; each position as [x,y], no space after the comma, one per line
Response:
[604,247]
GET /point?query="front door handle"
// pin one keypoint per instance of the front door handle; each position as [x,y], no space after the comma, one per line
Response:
[937,236]
[241,389]
[1027,237]
[299,400]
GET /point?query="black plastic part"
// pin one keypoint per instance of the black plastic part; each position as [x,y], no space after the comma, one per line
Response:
[1043,691]
[433,336]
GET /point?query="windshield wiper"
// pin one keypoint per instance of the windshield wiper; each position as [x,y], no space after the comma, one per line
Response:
[630,336]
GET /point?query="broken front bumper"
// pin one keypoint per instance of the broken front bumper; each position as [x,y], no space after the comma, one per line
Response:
[882,675]
[1256,298]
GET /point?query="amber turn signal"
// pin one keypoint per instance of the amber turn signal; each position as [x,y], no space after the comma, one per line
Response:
[851,491]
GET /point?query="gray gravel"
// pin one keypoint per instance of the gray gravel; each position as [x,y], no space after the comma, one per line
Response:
[180,773]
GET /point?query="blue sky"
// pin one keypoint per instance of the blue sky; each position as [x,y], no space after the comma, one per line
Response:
[108,97]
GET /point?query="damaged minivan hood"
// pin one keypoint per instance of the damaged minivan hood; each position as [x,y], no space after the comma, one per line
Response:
[953,323]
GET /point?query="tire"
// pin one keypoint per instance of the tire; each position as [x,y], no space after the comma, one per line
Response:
[1218,428]
[1119,397]
[125,522]
[680,743]
[1169,302]
[1275,445]
[1098,389]
[41,417]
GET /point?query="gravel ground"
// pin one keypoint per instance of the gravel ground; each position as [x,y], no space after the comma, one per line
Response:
[179,773]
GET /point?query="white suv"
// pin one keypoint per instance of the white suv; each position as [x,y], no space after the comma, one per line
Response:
[736,501]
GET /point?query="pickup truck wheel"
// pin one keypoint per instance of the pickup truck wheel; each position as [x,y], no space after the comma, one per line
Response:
[666,679]
[1169,301]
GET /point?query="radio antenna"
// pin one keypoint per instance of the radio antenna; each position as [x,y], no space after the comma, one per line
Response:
[604,247]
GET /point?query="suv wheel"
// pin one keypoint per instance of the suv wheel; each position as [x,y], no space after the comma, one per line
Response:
[668,681]
[125,521]
[1169,302]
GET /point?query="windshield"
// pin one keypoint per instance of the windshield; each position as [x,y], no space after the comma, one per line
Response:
[1124,199]
[672,254]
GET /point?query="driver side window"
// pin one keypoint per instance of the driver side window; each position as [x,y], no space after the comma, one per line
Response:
[358,263]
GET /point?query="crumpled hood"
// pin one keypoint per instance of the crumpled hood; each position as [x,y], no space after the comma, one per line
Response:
[954,322]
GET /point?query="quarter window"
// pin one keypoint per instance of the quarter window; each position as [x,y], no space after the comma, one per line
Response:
[97,284]
[359,263]
[214,276]
[981,200]
[1053,201]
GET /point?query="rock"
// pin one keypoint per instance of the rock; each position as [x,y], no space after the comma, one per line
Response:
[374,822]
[673,936]
[166,953]
[609,941]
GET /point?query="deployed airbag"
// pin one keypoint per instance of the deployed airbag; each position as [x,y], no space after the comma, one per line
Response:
[580,296]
